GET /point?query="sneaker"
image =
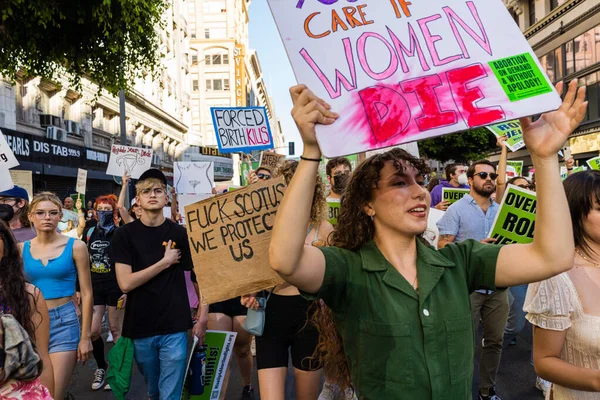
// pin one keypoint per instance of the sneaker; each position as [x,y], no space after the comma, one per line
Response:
[109,338]
[542,385]
[330,391]
[490,396]
[107,388]
[99,379]
[248,392]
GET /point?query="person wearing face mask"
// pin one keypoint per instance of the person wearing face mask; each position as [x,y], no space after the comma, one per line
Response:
[17,199]
[456,178]
[338,172]
[105,287]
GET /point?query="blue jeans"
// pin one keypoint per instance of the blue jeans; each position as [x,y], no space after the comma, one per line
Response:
[161,359]
[516,315]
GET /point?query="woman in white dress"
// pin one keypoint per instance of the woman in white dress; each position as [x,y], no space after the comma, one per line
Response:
[565,310]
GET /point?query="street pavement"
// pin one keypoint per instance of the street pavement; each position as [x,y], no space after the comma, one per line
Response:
[516,378]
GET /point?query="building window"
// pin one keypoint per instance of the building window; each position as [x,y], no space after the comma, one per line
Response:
[216,59]
[531,7]
[514,16]
[226,56]
[193,31]
[195,85]
[208,84]
[556,3]
[194,58]
[207,33]
[592,81]
[217,84]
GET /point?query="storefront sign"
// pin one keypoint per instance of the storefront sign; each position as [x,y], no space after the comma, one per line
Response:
[240,75]
[40,150]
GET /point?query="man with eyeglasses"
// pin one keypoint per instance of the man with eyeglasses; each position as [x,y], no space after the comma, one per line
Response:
[151,255]
[20,226]
[472,217]
[262,174]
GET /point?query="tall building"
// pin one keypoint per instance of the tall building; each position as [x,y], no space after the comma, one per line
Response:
[224,73]
[54,129]
[565,35]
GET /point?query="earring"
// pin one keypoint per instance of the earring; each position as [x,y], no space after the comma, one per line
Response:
[372,217]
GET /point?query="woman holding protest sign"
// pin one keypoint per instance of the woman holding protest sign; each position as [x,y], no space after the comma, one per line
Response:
[288,317]
[565,310]
[402,308]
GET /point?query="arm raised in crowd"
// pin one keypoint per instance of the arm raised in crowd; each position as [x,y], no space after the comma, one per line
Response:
[501,181]
[300,265]
[551,252]
[121,203]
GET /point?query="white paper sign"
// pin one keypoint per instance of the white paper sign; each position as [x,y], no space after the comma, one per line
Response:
[23,179]
[6,182]
[194,177]
[242,129]
[81,181]
[126,160]
[187,199]
[7,158]
[399,71]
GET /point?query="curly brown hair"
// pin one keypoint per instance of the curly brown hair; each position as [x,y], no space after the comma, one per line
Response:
[355,228]
[318,211]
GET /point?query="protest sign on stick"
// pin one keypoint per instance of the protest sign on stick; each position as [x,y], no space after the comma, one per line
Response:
[81,181]
[23,179]
[126,160]
[194,177]
[333,209]
[513,132]
[242,129]
[594,163]
[271,160]
[452,195]
[400,73]
[229,239]
[517,166]
[515,220]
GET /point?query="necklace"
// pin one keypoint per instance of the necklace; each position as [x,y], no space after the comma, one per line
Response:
[595,264]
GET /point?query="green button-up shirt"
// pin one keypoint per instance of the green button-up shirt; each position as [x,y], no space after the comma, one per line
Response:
[401,344]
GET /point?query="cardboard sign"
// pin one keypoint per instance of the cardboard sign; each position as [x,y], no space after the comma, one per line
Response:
[512,130]
[594,163]
[81,180]
[194,177]
[515,220]
[229,238]
[23,179]
[271,160]
[452,195]
[126,160]
[7,158]
[333,211]
[398,72]
[219,348]
[517,166]
[242,129]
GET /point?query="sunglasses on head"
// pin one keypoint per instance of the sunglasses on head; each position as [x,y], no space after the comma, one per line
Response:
[263,176]
[484,175]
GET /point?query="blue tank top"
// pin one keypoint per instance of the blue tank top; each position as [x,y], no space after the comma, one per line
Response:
[55,280]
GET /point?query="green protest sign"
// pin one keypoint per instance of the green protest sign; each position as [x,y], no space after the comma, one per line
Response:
[452,195]
[594,163]
[517,165]
[515,220]
[333,211]
[520,77]
[512,130]
[581,168]
[245,170]
[219,347]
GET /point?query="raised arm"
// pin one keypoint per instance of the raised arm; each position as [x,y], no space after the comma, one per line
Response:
[551,251]
[121,203]
[501,181]
[300,265]
[81,218]
[174,205]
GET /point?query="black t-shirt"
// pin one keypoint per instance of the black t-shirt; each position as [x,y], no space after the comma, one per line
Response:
[160,306]
[99,246]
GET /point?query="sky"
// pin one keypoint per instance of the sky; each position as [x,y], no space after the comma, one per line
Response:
[276,68]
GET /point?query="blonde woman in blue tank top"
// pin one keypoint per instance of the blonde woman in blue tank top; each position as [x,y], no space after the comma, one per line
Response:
[53,262]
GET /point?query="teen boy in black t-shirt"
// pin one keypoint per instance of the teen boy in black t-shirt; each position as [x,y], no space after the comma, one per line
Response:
[151,255]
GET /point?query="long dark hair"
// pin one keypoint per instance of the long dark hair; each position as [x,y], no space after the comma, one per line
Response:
[13,285]
[355,228]
[582,189]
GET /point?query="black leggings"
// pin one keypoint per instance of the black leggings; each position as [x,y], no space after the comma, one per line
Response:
[288,328]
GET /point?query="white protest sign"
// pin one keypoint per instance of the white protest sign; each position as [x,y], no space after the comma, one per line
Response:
[194,177]
[7,158]
[513,132]
[184,200]
[81,181]
[6,182]
[399,71]
[23,179]
[126,160]
[242,129]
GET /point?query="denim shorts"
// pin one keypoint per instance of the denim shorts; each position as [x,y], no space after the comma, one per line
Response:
[64,328]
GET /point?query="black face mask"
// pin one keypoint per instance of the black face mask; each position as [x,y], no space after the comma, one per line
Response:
[340,182]
[6,212]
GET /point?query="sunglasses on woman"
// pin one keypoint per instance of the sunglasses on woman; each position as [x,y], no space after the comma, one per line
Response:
[263,176]
[484,175]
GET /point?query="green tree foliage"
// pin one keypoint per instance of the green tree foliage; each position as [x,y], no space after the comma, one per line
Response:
[466,146]
[112,42]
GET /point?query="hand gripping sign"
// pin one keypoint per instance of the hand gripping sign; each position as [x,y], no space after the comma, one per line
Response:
[399,71]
